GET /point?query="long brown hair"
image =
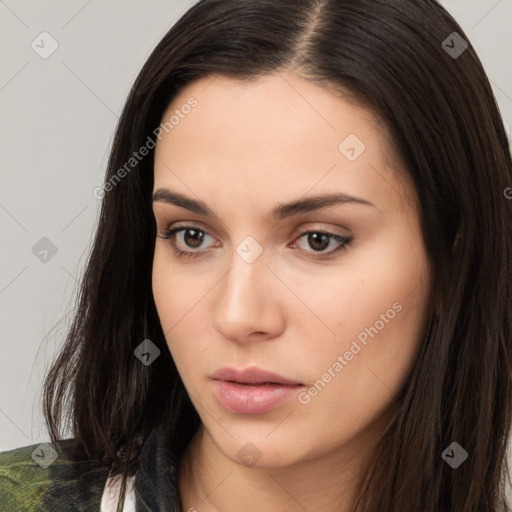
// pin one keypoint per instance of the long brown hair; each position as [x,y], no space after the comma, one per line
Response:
[397,57]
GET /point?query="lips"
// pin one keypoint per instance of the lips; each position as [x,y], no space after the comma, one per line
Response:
[252,375]
[252,390]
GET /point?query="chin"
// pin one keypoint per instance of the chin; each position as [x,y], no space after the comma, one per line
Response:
[256,448]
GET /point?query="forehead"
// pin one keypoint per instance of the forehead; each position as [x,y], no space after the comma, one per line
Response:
[278,134]
[277,103]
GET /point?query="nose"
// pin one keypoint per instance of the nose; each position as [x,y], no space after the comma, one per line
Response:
[248,302]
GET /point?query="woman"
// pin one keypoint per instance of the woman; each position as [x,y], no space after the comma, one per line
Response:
[299,293]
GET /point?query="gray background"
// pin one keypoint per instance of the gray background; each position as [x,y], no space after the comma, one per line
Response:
[58,117]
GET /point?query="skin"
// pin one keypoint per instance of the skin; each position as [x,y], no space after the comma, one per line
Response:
[244,149]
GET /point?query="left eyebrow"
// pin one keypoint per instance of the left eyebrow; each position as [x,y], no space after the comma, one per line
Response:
[280,212]
[315,203]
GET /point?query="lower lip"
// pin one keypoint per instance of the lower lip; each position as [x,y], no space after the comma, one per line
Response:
[255,399]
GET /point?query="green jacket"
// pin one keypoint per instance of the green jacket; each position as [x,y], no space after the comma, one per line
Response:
[45,478]
[31,481]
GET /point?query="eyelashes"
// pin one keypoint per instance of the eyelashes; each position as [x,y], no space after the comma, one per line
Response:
[193,237]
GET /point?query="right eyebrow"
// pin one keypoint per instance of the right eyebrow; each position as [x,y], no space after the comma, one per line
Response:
[166,196]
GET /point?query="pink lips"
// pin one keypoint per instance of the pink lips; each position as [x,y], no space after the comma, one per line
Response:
[252,390]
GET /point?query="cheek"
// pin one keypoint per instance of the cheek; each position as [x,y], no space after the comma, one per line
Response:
[378,313]
[179,298]
[375,342]
[175,290]
[383,287]
[165,283]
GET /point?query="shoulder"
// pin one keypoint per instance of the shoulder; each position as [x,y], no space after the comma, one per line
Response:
[22,480]
[45,477]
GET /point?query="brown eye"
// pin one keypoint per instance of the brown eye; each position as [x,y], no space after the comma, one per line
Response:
[318,241]
[188,237]
[193,237]
[322,244]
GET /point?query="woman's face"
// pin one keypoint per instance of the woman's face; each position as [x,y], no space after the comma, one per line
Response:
[306,260]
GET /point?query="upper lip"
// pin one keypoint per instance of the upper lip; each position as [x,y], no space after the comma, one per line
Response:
[252,375]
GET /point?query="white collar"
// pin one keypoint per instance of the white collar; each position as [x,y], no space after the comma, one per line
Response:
[111,494]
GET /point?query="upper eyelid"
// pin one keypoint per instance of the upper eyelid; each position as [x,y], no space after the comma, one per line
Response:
[190,224]
[197,225]
[177,229]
